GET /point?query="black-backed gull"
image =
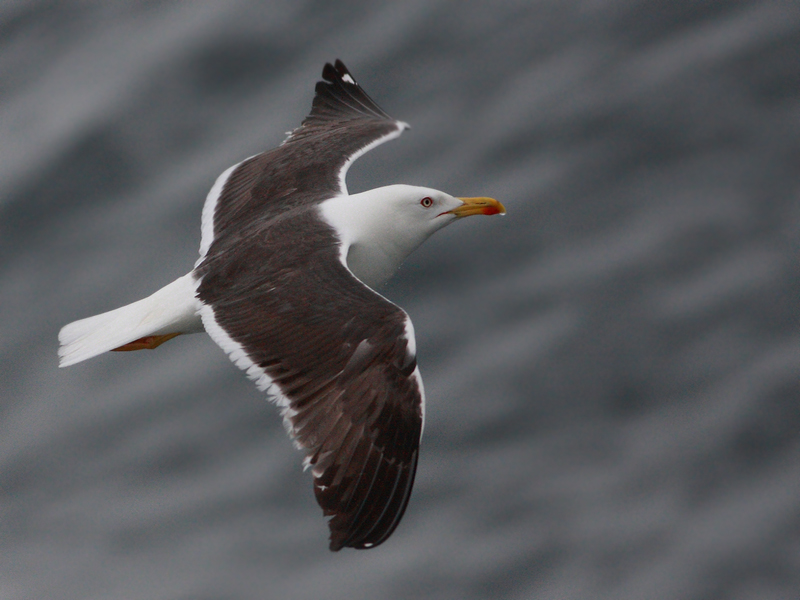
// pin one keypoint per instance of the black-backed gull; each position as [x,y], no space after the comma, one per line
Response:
[285,284]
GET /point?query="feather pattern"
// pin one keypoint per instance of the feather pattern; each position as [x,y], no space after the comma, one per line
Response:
[335,354]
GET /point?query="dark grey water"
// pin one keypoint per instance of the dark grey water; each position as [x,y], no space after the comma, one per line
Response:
[612,369]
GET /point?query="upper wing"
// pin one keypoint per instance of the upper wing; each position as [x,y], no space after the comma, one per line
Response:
[310,165]
[336,355]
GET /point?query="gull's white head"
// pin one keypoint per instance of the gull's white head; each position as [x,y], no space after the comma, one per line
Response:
[415,211]
[381,227]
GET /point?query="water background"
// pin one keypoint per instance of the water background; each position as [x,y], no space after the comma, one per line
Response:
[611,370]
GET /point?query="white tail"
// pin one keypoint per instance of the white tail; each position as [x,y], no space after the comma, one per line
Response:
[172,309]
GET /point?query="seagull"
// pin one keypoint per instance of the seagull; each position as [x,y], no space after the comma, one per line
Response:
[286,285]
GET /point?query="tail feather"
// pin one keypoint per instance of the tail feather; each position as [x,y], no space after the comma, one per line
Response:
[172,309]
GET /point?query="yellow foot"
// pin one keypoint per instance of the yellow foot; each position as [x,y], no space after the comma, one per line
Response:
[146,343]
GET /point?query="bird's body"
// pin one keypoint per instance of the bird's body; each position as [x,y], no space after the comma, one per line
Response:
[285,282]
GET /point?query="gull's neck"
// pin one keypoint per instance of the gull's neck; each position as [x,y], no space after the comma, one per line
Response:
[375,238]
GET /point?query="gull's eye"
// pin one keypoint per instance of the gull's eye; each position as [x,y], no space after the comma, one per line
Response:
[426,202]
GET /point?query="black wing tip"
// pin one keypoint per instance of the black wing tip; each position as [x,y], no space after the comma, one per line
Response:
[338,72]
[339,95]
[348,534]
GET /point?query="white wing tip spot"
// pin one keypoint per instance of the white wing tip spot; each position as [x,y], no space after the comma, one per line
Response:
[347,79]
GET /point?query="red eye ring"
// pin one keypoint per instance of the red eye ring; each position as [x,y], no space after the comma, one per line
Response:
[426,202]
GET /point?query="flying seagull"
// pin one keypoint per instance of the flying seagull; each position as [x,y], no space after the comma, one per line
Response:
[285,284]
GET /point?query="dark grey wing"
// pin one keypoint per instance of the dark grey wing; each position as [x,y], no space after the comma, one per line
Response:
[337,356]
[310,165]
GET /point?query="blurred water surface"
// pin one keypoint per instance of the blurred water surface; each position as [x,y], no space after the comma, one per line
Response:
[611,370]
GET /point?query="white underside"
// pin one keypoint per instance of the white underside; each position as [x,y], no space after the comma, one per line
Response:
[172,309]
